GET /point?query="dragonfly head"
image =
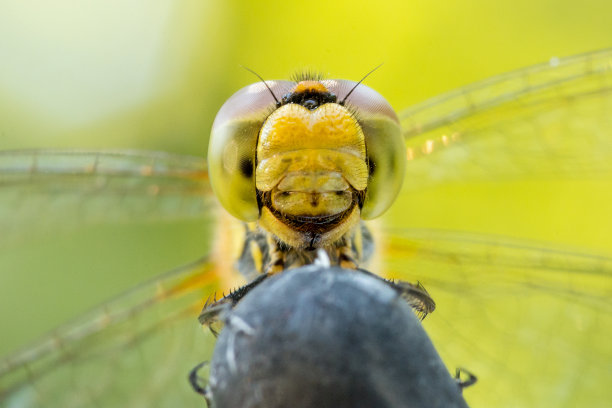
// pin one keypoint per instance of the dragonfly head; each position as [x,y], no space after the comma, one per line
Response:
[305,163]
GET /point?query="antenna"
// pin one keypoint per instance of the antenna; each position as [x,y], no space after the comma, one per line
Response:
[357,84]
[264,82]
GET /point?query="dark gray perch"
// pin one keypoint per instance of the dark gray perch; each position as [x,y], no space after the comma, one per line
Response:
[327,337]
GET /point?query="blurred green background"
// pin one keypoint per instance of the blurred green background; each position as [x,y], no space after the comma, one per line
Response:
[151,75]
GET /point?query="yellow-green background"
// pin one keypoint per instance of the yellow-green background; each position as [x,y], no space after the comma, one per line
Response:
[151,74]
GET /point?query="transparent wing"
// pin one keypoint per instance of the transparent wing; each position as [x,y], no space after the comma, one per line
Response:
[526,154]
[546,121]
[138,349]
[532,322]
[135,351]
[99,186]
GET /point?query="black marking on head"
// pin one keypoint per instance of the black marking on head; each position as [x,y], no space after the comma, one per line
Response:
[246,167]
[311,99]
[361,195]
[260,200]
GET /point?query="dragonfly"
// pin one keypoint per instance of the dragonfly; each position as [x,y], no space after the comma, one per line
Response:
[531,319]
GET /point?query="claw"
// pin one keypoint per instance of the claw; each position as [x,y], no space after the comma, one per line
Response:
[212,311]
[471,378]
[416,295]
[196,383]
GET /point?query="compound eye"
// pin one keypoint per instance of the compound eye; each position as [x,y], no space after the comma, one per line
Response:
[232,147]
[386,164]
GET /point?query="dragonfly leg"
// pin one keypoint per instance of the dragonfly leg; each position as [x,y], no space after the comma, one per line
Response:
[468,382]
[416,296]
[414,293]
[198,383]
[214,309]
[347,258]
[276,256]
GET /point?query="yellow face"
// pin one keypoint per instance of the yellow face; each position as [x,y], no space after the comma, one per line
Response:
[309,166]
